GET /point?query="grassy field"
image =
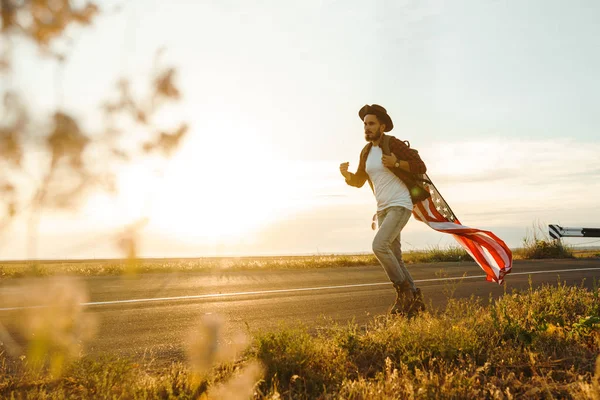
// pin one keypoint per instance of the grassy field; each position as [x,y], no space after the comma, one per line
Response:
[116,267]
[541,343]
[16,269]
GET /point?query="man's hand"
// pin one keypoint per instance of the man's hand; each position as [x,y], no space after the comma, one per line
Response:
[344,170]
[389,161]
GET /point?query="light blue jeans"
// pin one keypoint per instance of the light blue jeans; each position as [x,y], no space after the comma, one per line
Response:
[386,244]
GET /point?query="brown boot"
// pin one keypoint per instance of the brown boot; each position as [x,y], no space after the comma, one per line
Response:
[416,305]
[404,299]
[419,304]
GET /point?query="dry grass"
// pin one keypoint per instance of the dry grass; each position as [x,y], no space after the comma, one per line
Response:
[15,269]
[538,344]
[537,244]
[584,253]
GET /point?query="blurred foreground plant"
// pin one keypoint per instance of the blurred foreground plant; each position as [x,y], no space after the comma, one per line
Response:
[50,329]
[52,161]
[50,323]
[208,348]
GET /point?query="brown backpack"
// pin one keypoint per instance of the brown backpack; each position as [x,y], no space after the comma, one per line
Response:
[414,182]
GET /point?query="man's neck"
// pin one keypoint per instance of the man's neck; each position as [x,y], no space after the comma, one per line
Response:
[378,141]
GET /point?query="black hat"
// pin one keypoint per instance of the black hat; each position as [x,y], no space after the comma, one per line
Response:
[381,114]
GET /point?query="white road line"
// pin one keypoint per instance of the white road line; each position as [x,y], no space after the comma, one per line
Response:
[218,295]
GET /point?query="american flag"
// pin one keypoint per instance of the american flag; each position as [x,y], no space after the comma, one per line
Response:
[489,251]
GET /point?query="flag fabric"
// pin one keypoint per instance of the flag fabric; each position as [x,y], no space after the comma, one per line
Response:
[487,249]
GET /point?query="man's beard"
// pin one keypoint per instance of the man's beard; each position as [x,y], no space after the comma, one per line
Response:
[372,138]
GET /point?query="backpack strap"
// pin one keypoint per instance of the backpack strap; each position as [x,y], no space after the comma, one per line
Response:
[385,145]
[385,148]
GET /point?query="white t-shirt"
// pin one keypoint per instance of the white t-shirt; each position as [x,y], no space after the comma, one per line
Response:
[389,189]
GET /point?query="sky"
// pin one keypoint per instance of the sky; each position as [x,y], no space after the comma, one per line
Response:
[499,97]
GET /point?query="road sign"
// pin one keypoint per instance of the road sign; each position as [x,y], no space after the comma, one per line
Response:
[557,231]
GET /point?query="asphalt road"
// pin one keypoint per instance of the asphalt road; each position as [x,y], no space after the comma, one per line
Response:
[154,314]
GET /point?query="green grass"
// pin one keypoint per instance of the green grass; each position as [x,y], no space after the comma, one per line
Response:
[541,343]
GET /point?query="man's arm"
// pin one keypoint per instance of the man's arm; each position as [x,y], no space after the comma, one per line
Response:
[357,179]
[408,159]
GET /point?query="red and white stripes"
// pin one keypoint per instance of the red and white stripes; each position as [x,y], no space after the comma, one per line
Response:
[489,251]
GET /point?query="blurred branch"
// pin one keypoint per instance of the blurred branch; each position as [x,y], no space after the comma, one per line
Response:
[69,161]
[43,21]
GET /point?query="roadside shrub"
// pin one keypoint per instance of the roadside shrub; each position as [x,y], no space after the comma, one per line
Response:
[538,245]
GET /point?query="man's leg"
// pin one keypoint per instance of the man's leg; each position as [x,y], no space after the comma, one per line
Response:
[397,250]
[417,304]
[391,222]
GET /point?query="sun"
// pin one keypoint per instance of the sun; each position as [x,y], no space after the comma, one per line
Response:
[211,192]
[224,185]
[209,210]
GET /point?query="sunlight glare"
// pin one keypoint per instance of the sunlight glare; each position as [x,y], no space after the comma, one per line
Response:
[219,190]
